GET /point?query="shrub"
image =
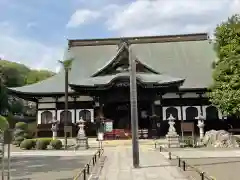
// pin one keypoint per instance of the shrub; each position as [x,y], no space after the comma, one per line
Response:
[3,123]
[21,125]
[27,144]
[56,144]
[20,133]
[18,136]
[42,143]
[26,135]
[32,127]
[188,142]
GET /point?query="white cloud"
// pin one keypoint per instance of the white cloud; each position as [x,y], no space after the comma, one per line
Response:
[154,17]
[82,16]
[27,51]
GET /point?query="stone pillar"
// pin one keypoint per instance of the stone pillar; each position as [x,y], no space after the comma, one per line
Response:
[81,135]
[100,117]
[172,136]
[201,126]
[54,128]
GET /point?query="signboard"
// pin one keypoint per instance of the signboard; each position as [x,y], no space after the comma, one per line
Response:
[108,126]
[68,129]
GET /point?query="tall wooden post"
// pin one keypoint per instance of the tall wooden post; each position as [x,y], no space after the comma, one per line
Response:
[134,110]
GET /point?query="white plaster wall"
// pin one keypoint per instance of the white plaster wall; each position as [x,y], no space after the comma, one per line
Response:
[175,95]
[47,99]
[46,105]
[190,95]
[170,95]
[91,110]
[165,108]
[62,99]
[84,98]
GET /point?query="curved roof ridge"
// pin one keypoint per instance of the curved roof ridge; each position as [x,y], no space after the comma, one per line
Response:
[123,45]
[120,50]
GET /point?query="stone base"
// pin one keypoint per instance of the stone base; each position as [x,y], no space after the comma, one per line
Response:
[82,142]
[173,140]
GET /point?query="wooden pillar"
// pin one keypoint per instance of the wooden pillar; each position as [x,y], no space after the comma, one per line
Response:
[100,111]
[201,107]
[75,109]
[181,107]
[181,110]
[161,107]
[153,109]
[56,115]
[36,132]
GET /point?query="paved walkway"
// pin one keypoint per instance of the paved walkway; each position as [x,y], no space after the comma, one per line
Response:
[118,165]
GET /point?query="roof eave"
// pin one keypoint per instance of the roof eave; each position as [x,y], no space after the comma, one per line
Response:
[34,94]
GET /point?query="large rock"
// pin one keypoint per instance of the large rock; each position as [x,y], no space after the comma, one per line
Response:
[220,139]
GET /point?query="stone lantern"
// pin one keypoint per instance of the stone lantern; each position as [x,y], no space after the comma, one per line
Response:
[201,126]
[54,128]
[172,136]
[81,135]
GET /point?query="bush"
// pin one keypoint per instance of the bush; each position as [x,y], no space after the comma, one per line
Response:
[20,133]
[26,135]
[56,144]
[21,125]
[188,142]
[42,144]
[32,127]
[3,123]
[28,144]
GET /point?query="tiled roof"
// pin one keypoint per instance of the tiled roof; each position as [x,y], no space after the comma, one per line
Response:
[190,59]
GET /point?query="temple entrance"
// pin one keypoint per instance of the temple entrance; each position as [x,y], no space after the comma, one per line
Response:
[120,113]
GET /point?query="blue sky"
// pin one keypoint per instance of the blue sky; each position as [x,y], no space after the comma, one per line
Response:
[35,32]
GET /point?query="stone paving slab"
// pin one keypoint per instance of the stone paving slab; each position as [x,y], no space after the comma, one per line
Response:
[153,165]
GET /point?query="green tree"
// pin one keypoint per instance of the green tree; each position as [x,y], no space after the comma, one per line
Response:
[35,76]
[3,123]
[14,75]
[225,91]
[3,94]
